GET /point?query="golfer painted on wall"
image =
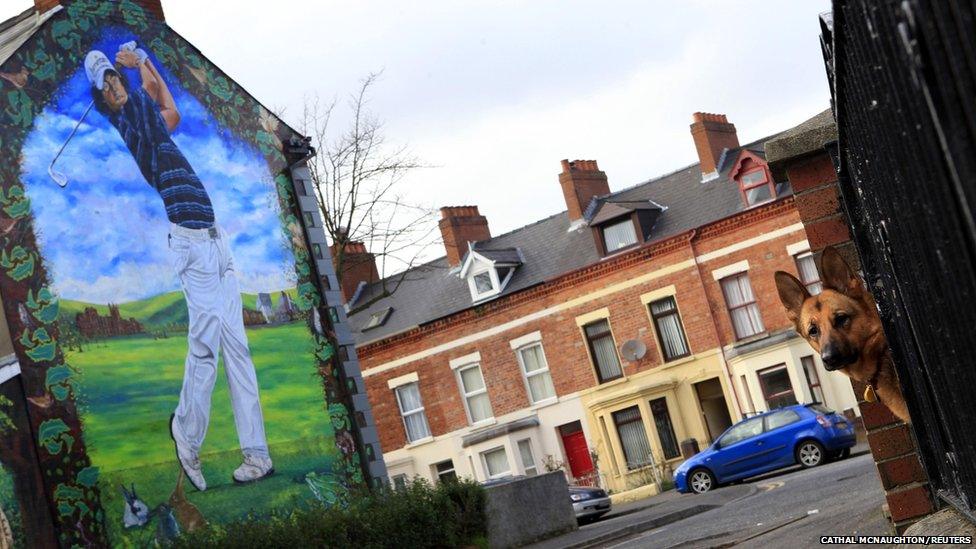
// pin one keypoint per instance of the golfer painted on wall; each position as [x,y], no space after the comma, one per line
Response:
[145,116]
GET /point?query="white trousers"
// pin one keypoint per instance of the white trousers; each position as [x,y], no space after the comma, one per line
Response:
[206,270]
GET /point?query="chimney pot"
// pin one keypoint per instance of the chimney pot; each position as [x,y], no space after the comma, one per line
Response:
[460,225]
[712,133]
[581,180]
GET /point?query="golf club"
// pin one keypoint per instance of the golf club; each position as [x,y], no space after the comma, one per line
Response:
[59,177]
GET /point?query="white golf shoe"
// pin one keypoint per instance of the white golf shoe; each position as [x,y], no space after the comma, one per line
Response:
[254,468]
[189,460]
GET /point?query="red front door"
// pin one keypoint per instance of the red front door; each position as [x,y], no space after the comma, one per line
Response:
[578,454]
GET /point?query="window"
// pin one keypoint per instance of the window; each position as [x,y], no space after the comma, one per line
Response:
[377,319]
[781,418]
[809,276]
[475,393]
[665,431]
[670,333]
[743,431]
[412,411]
[445,471]
[482,283]
[536,371]
[776,387]
[619,235]
[743,308]
[756,187]
[528,463]
[633,438]
[399,481]
[317,251]
[496,462]
[309,219]
[603,350]
[813,380]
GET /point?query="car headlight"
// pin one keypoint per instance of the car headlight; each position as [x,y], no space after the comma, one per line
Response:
[577,497]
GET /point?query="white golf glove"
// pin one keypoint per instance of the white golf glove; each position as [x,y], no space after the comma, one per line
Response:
[140,53]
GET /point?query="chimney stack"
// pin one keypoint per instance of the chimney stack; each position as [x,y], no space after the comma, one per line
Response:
[460,225]
[152,7]
[712,134]
[44,5]
[581,180]
[358,265]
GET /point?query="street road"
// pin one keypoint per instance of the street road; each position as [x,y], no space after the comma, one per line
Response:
[791,509]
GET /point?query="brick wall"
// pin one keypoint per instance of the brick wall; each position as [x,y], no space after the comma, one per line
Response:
[892,444]
[699,298]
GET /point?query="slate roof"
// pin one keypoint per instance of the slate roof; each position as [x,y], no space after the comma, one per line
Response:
[430,291]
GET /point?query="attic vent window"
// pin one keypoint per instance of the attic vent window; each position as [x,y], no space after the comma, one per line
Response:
[377,319]
[488,271]
[619,235]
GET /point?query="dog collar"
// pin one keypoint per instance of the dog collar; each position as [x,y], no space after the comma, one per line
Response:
[870,394]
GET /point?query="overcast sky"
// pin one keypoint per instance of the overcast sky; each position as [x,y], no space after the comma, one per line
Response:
[494,94]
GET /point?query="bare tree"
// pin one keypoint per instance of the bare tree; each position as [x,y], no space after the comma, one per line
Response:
[356,176]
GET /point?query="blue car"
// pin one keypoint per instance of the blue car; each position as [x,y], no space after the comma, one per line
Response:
[805,434]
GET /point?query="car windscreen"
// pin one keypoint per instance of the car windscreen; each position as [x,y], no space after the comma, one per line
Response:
[820,409]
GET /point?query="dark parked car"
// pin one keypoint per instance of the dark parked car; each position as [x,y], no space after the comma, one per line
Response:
[589,503]
[805,434]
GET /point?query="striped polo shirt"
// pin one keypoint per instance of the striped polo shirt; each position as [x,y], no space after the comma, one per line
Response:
[144,131]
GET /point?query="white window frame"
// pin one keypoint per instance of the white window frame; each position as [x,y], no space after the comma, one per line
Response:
[404,414]
[438,473]
[532,466]
[466,395]
[484,463]
[542,371]
[495,283]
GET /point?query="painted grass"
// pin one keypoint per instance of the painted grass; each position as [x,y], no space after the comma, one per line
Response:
[159,311]
[130,386]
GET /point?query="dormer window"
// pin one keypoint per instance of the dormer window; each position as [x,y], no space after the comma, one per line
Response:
[489,271]
[756,184]
[622,224]
[619,235]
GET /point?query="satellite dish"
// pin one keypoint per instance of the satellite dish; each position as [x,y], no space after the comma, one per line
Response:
[633,349]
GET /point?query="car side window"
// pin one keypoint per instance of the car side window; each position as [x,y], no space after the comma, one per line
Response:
[781,418]
[745,430]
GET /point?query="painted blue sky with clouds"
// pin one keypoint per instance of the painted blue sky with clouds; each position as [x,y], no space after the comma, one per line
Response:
[104,237]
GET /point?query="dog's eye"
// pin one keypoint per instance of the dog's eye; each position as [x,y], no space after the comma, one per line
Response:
[813,331]
[840,320]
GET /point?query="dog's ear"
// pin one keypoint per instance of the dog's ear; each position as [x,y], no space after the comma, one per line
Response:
[792,293]
[837,275]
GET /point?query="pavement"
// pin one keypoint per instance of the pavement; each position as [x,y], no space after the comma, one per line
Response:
[789,508]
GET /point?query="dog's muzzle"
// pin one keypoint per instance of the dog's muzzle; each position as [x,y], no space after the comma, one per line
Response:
[835,359]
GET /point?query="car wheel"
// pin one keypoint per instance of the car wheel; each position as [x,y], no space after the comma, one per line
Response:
[810,453]
[701,481]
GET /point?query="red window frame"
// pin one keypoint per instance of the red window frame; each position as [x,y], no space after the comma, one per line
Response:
[767,180]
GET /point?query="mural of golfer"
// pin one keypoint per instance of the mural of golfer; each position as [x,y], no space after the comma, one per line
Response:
[145,117]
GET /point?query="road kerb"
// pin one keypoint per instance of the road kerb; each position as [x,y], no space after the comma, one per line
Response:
[642,526]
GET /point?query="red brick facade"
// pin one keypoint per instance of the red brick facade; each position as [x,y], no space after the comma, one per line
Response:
[698,295]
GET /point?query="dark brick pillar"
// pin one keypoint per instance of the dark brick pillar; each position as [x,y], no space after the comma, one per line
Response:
[904,480]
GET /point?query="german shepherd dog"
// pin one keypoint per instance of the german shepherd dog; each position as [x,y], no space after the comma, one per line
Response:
[842,324]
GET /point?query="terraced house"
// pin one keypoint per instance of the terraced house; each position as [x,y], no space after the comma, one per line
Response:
[599,338]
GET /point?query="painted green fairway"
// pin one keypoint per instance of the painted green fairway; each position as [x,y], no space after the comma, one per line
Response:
[129,387]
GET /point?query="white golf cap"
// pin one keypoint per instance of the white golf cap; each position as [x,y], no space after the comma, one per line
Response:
[95,66]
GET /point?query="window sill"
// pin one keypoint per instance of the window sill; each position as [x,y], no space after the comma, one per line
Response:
[544,403]
[483,423]
[612,383]
[750,339]
[420,442]
[679,361]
